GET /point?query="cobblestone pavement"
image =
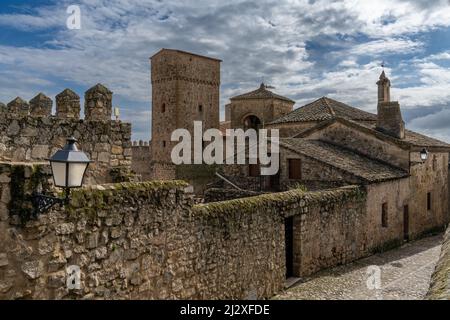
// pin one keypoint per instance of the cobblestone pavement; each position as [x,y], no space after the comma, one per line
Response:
[405,275]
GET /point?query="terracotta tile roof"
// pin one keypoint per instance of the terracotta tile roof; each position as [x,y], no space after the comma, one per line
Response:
[261,93]
[412,138]
[365,168]
[420,140]
[223,126]
[325,109]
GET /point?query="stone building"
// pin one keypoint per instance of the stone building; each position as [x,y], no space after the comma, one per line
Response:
[331,144]
[255,109]
[185,88]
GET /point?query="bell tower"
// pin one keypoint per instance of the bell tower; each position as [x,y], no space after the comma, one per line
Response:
[389,118]
[384,88]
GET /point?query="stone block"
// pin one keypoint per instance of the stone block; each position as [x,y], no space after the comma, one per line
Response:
[33,269]
[3,260]
[40,152]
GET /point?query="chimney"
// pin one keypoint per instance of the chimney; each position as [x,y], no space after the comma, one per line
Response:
[389,115]
[384,88]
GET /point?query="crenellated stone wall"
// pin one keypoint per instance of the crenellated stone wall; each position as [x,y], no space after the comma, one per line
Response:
[29,132]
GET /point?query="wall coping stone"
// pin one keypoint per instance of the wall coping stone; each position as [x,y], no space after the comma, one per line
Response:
[291,198]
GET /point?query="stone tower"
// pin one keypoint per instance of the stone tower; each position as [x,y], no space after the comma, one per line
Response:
[389,118]
[185,88]
[68,105]
[98,103]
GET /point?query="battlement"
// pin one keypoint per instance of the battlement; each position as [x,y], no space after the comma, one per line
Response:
[141,143]
[29,132]
[97,107]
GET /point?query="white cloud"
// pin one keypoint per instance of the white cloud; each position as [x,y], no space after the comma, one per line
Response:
[256,39]
[383,47]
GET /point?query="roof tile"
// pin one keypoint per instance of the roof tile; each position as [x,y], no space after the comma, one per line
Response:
[325,109]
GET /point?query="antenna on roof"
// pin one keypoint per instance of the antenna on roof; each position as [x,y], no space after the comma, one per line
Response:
[265,86]
[383,64]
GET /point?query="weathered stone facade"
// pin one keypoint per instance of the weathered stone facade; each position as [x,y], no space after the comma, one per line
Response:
[185,88]
[262,104]
[38,135]
[149,241]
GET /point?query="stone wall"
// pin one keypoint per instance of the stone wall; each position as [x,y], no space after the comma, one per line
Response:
[314,174]
[149,241]
[33,134]
[330,230]
[440,280]
[366,144]
[430,177]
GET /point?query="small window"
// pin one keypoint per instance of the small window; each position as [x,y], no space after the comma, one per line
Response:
[200,108]
[429,201]
[253,170]
[164,144]
[163,108]
[384,215]
[295,169]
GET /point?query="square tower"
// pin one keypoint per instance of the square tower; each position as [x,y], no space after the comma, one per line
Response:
[185,88]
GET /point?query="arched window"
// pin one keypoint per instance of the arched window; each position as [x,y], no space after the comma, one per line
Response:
[163,108]
[200,108]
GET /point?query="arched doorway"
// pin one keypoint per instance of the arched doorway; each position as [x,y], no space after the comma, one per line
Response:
[251,122]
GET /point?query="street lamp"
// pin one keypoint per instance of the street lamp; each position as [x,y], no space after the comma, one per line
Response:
[424,155]
[68,169]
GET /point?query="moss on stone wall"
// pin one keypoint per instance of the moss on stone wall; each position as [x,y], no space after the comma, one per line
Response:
[99,197]
[26,180]
[294,198]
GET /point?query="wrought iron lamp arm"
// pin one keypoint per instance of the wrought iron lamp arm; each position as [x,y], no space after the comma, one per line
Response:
[42,203]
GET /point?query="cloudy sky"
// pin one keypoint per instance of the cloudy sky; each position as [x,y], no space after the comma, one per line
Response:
[305,48]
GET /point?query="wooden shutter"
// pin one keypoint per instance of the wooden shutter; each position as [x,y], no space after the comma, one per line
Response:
[295,169]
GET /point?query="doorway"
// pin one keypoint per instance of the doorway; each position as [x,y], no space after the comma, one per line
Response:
[406,223]
[289,246]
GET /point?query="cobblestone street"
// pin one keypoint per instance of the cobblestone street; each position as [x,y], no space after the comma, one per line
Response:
[405,274]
